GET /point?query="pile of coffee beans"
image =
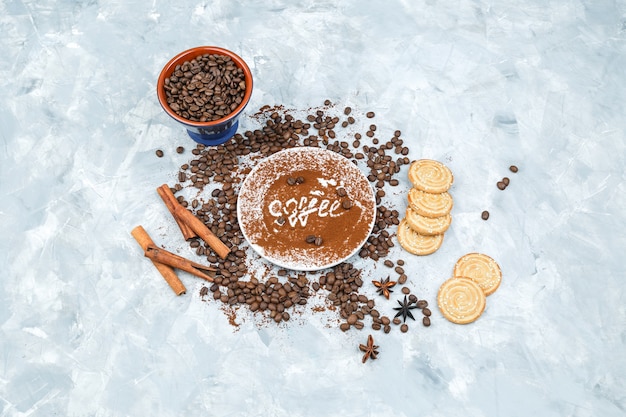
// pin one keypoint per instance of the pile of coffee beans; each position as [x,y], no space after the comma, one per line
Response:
[221,169]
[206,88]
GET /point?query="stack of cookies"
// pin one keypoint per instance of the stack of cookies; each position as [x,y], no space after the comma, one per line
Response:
[421,231]
[463,297]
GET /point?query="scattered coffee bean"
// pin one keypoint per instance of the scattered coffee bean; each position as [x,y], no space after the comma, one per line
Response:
[310,239]
[501,185]
[291,181]
[426,321]
[396,320]
[422,304]
[180,149]
[318,241]
[513,168]
[413,298]
[346,204]
[388,263]
[219,165]
[159,153]
[426,311]
[485,215]
[506,181]
[370,114]
[406,290]
[404,328]
[341,192]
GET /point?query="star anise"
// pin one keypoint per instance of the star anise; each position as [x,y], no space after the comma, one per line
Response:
[371,350]
[405,309]
[384,286]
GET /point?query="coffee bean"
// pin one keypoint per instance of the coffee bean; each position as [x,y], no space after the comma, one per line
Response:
[413,298]
[180,149]
[388,263]
[501,185]
[341,192]
[422,304]
[347,110]
[396,320]
[291,181]
[402,279]
[399,270]
[346,204]
[426,311]
[159,153]
[404,328]
[310,239]
[352,319]
[406,290]
[484,215]
[513,168]
[370,114]
[506,181]
[318,241]
[344,326]
[426,321]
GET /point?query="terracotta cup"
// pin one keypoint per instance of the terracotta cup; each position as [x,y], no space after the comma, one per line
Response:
[207,133]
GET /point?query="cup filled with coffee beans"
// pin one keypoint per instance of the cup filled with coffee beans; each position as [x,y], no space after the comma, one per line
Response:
[205,89]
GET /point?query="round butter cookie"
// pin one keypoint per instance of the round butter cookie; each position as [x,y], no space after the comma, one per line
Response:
[429,204]
[430,176]
[461,300]
[415,243]
[480,268]
[427,225]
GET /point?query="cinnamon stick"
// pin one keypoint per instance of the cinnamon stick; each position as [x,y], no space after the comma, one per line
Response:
[171,202]
[144,240]
[202,231]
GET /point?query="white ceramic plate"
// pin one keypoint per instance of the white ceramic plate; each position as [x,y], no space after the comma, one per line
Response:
[276,217]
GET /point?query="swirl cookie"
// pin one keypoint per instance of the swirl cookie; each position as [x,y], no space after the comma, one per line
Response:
[429,204]
[427,225]
[480,268]
[461,300]
[415,243]
[430,176]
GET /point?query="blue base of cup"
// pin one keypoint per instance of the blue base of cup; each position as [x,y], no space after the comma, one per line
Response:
[214,139]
